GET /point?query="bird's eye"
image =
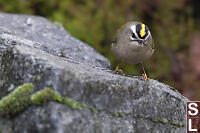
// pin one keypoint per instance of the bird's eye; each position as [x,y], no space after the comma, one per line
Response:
[133,35]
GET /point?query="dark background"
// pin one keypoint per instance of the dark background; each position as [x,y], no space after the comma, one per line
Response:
[174,24]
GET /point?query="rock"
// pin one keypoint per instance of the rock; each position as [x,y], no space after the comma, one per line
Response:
[40,33]
[33,50]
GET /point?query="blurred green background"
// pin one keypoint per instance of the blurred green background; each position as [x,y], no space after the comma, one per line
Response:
[174,25]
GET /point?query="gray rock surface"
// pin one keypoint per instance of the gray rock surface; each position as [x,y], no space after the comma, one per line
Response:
[33,50]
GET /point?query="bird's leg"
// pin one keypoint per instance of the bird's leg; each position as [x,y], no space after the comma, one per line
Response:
[117,69]
[144,73]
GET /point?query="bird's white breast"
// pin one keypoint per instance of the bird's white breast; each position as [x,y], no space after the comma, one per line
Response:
[132,54]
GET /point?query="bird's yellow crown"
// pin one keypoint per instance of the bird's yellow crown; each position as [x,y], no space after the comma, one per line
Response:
[142,31]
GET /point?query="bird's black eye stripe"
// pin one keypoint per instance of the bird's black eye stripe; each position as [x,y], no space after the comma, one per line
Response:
[133,35]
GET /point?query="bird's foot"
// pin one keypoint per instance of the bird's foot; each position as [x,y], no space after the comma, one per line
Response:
[118,70]
[145,76]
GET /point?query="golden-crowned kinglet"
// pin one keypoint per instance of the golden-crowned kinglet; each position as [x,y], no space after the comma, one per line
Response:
[133,44]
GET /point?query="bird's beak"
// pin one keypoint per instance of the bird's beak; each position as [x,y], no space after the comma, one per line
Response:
[144,42]
[141,42]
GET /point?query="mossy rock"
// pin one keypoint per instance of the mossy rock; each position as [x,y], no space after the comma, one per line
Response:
[17,100]
[44,96]
[72,103]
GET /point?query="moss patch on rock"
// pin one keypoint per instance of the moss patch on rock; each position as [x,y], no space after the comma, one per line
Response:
[47,95]
[44,96]
[17,100]
[92,109]
[118,114]
[22,97]
[164,121]
[72,103]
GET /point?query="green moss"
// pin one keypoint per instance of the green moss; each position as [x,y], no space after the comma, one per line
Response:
[115,114]
[180,124]
[37,78]
[92,109]
[17,100]
[72,103]
[173,123]
[21,98]
[177,124]
[121,114]
[118,114]
[44,96]
[155,120]
[164,121]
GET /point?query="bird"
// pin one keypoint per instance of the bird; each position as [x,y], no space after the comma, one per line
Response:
[133,44]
